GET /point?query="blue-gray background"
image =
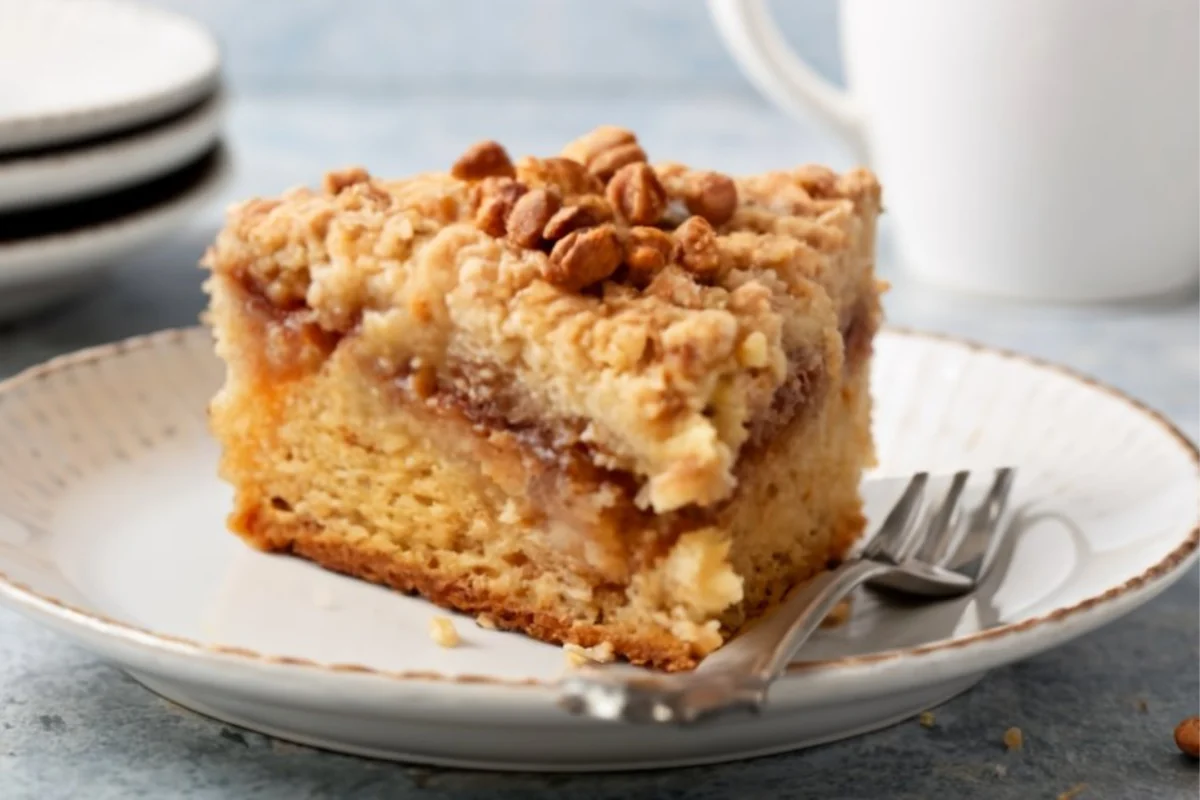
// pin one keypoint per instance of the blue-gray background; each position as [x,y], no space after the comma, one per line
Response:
[405,85]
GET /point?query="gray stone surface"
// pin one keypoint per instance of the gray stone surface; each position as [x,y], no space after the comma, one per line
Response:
[314,87]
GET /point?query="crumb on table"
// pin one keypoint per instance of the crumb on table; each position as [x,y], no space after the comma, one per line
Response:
[927,719]
[1014,739]
[1073,792]
[1187,736]
[442,631]
[486,622]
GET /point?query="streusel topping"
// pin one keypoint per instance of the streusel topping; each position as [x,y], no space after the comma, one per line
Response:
[653,310]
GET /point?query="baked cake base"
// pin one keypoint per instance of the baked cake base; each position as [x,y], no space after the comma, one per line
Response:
[432,503]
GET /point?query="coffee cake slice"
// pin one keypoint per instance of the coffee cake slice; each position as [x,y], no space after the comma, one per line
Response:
[597,400]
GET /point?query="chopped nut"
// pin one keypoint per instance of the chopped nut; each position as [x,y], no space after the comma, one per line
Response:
[483,160]
[698,251]
[1014,739]
[711,195]
[637,195]
[334,182]
[927,719]
[608,163]
[584,257]
[585,212]
[605,150]
[442,631]
[493,200]
[818,181]
[530,214]
[1187,736]
[486,622]
[1073,792]
[569,177]
[647,251]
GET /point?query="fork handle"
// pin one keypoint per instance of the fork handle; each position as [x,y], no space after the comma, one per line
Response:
[766,648]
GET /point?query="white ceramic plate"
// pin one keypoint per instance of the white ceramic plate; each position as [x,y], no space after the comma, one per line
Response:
[112,163]
[71,69]
[111,532]
[37,271]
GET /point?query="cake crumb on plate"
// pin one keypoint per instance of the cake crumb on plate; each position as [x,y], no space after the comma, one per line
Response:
[1014,739]
[442,631]
[839,616]
[578,656]
[1073,792]
[486,622]
[927,719]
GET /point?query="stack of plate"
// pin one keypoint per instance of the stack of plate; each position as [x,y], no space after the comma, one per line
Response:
[109,139]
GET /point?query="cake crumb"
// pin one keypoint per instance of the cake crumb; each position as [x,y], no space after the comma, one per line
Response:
[927,719]
[442,631]
[486,622]
[1187,736]
[578,656]
[1141,705]
[1000,770]
[1073,792]
[1014,739]
[839,615]
[324,599]
[510,514]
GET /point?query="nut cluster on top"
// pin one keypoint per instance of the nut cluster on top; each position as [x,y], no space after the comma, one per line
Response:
[599,206]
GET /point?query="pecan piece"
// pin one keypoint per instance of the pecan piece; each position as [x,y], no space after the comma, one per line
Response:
[568,177]
[637,195]
[605,150]
[530,214]
[492,200]
[711,195]
[647,251]
[698,251]
[586,211]
[337,180]
[484,159]
[584,257]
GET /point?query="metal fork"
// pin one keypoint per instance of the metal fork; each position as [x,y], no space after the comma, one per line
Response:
[924,549]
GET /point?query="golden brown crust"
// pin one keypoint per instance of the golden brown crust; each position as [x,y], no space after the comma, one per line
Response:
[643,645]
[646,647]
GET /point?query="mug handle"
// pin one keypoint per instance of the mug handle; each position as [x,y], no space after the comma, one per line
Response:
[752,37]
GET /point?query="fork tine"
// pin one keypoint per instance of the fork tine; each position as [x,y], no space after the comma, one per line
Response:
[984,529]
[899,529]
[945,525]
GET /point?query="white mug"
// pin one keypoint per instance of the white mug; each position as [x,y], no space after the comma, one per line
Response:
[1035,149]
